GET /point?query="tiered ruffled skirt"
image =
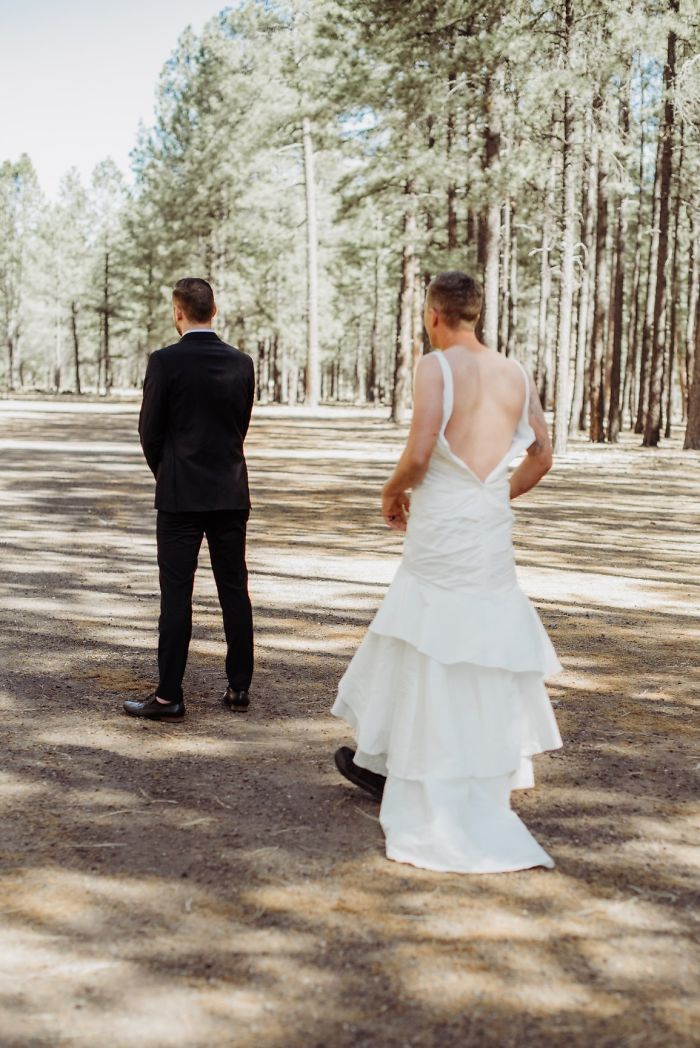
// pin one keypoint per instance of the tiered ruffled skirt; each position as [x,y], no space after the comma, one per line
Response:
[446,698]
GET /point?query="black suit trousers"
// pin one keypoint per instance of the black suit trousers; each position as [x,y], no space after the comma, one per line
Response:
[179,538]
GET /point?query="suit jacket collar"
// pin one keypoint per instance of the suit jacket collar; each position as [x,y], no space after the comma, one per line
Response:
[200,336]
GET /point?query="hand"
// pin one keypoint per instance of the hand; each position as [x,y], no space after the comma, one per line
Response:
[395,510]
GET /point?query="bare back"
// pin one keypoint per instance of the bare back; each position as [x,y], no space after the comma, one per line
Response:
[489,397]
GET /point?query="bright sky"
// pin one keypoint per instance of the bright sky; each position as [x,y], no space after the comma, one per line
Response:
[77,76]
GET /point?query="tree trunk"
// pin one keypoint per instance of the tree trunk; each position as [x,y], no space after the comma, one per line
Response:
[58,350]
[452,186]
[675,294]
[633,325]
[648,324]
[417,314]
[491,224]
[628,394]
[618,297]
[652,430]
[107,309]
[617,320]
[76,345]
[473,239]
[504,294]
[313,367]
[511,345]
[10,363]
[490,319]
[692,430]
[568,220]
[292,383]
[693,295]
[401,396]
[566,285]
[360,368]
[543,369]
[372,363]
[629,383]
[668,371]
[277,376]
[482,242]
[600,296]
[577,419]
[261,369]
[420,337]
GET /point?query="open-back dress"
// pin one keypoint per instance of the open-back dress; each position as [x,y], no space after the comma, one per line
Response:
[445,693]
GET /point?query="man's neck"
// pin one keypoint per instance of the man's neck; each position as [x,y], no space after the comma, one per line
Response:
[461,336]
[186,328]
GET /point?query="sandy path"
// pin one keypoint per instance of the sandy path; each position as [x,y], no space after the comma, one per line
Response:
[215,883]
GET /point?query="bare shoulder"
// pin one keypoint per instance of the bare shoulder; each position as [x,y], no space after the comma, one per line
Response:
[429,362]
[515,368]
[505,373]
[428,370]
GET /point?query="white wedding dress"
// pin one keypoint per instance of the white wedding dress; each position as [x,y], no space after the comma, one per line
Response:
[445,693]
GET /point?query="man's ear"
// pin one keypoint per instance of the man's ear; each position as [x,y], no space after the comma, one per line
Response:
[215,311]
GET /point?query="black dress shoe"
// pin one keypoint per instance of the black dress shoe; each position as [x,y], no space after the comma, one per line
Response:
[154,710]
[236,700]
[366,780]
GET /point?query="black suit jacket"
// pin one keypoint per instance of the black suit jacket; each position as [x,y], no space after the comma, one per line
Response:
[197,399]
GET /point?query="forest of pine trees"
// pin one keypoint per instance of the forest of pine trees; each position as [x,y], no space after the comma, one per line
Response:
[320,161]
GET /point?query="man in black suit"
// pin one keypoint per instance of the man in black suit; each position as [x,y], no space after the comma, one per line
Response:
[197,399]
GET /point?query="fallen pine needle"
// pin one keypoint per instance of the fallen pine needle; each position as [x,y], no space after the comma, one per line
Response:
[107,844]
[120,811]
[366,814]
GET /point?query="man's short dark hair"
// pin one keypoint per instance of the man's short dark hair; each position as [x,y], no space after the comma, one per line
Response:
[195,298]
[457,297]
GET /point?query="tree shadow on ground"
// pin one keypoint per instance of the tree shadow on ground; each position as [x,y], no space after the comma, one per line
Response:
[215,883]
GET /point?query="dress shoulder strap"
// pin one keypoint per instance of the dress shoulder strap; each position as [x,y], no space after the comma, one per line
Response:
[447,389]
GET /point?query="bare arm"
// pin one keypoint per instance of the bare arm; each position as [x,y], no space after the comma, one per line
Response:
[422,438]
[539,455]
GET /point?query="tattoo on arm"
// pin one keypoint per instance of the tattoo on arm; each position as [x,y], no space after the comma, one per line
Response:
[538,422]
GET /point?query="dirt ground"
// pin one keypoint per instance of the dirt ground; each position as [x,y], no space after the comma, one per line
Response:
[216,883]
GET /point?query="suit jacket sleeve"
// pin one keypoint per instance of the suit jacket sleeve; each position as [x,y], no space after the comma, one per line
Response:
[153,417]
[250,390]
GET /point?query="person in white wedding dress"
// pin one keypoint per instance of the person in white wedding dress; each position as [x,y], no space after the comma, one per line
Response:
[445,694]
